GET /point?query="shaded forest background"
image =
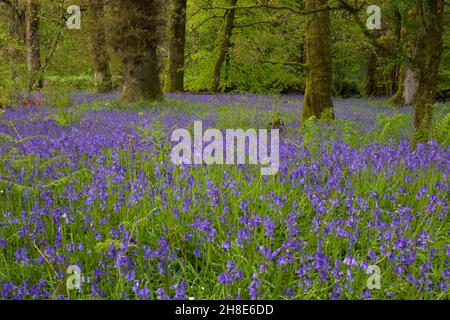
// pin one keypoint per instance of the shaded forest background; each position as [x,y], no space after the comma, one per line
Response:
[319,48]
[266,54]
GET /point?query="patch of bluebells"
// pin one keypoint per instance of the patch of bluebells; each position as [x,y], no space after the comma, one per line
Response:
[103,195]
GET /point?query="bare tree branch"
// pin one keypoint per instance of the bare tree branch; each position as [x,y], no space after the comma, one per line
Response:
[354,12]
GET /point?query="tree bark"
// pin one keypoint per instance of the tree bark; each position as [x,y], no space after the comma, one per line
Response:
[32,37]
[398,98]
[397,24]
[410,86]
[382,82]
[376,84]
[141,78]
[16,29]
[102,74]
[319,62]
[177,40]
[136,34]
[224,46]
[427,60]
[407,85]
[407,78]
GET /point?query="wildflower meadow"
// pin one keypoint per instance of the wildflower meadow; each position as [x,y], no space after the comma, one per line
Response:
[88,185]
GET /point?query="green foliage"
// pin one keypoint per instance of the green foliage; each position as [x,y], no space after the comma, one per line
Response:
[391,128]
[80,175]
[146,224]
[69,83]
[441,130]
[266,45]
[387,129]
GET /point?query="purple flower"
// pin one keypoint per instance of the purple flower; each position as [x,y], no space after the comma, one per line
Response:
[161,294]
[254,286]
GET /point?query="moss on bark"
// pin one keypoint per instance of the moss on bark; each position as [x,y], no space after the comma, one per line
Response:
[102,74]
[319,62]
[177,40]
[427,60]
[224,46]
[33,44]
[136,33]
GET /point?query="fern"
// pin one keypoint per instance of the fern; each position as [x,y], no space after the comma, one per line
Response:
[350,133]
[14,187]
[64,181]
[310,132]
[6,138]
[441,130]
[388,128]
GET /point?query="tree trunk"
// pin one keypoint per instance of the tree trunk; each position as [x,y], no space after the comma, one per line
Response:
[374,78]
[319,61]
[398,98]
[427,60]
[136,33]
[406,88]
[102,74]
[382,83]
[410,86]
[141,78]
[177,40]
[15,28]
[32,38]
[375,82]
[224,46]
[406,85]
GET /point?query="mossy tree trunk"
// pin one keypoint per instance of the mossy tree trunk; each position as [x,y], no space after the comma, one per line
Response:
[382,81]
[427,60]
[177,40]
[318,101]
[396,47]
[406,88]
[136,33]
[102,74]
[141,78]
[410,86]
[398,98]
[16,32]
[224,46]
[372,79]
[33,44]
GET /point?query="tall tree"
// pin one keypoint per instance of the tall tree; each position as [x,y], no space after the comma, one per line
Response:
[373,87]
[136,33]
[427,31]
[33,43]
[177,40]
[427,61]
[16,16]
[319,76]
[407,75]
[383,66]
[224,45]
[102,72]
